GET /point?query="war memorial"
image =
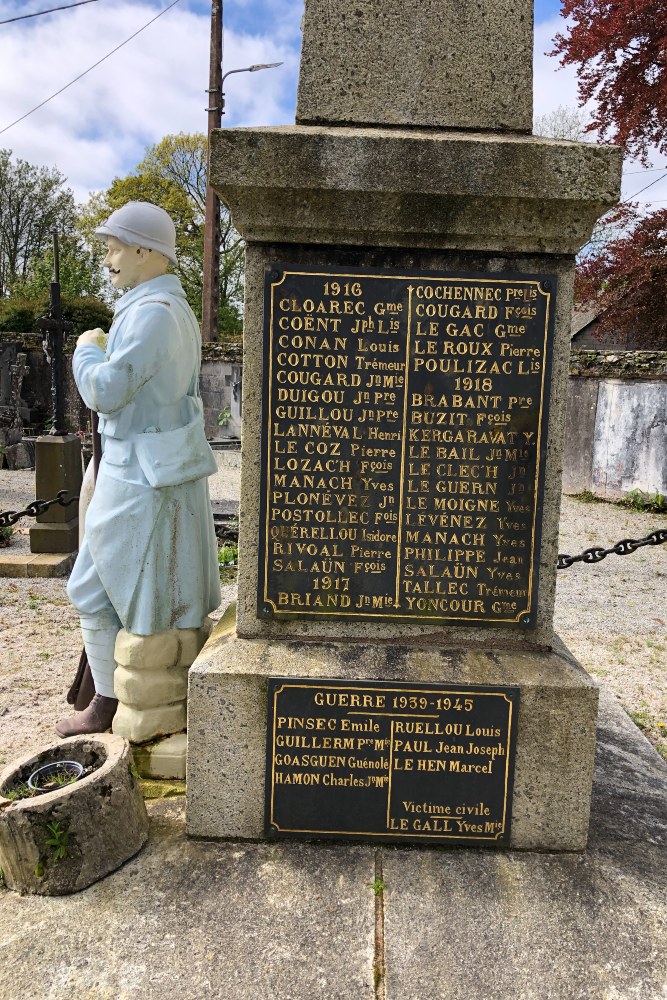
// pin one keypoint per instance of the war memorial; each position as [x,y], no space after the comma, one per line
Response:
[391,672]
[387,704]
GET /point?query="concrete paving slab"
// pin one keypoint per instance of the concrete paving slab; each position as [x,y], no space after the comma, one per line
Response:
[592,926]
[196,920]
[19,565]
[202,920]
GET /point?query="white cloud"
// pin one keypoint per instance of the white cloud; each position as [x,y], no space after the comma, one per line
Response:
[156,84]
[553,86]
[153,86]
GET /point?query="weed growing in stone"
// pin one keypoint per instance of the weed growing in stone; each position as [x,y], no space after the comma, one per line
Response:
[586,497]
[58,840]
[654,502]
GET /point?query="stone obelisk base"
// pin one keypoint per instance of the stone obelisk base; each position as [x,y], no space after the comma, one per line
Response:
[227,743]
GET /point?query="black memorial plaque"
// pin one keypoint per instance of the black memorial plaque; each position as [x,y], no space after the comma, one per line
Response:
[390,761]
[403,445]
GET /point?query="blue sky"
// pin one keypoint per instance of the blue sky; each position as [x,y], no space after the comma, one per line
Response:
[155,84]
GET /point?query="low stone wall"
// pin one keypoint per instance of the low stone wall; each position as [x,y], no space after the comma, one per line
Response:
[220,386]
[36,402]
[616,430]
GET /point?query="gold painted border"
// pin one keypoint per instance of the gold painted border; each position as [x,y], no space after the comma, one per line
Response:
[304,613]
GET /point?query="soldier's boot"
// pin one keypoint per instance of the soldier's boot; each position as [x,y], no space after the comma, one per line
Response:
[97,718]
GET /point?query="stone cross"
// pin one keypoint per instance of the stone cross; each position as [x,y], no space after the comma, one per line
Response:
[10,415]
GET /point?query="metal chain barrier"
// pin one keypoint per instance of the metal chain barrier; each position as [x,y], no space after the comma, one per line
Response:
[622,548]
[593,555]
[34,509]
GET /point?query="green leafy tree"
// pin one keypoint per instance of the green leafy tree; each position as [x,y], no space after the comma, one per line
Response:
[81,271]
[33,202]
[172,174]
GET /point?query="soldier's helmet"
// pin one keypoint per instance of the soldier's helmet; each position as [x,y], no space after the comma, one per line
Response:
[141,224]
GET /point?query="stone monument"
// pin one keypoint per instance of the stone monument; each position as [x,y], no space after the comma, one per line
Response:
[392,671]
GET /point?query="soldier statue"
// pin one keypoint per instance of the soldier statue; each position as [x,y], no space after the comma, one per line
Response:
[148,560]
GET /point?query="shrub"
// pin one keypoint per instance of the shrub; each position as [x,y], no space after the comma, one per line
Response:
[87,312]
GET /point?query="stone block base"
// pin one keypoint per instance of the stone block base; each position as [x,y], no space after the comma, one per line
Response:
[139,725]
[228,720]
[163,758]
[55,537]
[151,682]
[57,467]
[28,564]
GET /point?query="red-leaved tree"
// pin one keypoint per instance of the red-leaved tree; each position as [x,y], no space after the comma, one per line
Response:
[620,50]
[627,278]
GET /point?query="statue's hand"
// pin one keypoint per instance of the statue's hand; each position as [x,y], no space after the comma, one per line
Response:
[97,337]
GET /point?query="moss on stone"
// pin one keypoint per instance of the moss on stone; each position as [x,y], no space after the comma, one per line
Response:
[156,789]
[619,364]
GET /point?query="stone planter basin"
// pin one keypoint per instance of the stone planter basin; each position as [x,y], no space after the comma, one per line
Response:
[61,841]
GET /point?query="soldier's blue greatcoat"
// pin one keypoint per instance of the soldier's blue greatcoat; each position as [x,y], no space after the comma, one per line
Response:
[154,550]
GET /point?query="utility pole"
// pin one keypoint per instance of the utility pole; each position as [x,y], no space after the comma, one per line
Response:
[211,283]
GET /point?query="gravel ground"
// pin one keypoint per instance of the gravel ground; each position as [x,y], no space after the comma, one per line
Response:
[613,616]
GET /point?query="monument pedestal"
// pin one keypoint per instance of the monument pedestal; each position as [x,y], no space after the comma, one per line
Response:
[228,730]
[408,298]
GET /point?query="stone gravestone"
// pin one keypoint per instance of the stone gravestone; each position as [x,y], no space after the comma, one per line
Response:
[15,453]
[392,673]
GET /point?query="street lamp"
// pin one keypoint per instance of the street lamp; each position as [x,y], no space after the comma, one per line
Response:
[246,69]
[211,282]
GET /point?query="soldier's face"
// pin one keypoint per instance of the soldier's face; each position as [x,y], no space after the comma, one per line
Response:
[124,264]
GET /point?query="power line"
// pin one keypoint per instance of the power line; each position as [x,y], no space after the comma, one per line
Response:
[646,170]
[633,196]
[24,17]
[86,71]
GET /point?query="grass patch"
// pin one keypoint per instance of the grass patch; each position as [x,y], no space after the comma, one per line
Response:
[587,497]
[228,555]
[652,727]
[637,500]
[228,558]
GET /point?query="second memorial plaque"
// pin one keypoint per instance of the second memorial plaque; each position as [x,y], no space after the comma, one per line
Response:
[403,444]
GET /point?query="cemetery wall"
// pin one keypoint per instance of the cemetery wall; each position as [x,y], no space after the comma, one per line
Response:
[616,433]
[220,386]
